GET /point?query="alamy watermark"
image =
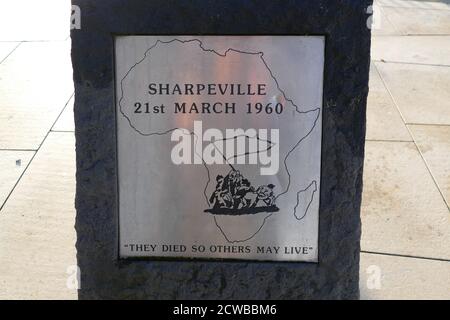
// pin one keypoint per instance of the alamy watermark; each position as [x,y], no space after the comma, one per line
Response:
[75,18]
[74,277]
[374,20]
[234,146]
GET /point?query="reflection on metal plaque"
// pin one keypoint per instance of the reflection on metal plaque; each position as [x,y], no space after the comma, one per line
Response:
[219,145]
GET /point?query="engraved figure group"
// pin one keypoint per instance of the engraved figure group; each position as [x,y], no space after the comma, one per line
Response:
[236,192]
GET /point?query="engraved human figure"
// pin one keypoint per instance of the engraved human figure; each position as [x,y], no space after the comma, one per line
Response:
[221,197]
[265,194]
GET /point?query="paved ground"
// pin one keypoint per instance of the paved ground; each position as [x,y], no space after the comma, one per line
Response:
[405,210]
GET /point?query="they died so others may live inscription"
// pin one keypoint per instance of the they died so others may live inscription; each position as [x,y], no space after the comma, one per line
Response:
[219,146]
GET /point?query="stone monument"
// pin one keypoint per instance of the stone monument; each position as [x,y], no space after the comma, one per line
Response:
[220,147]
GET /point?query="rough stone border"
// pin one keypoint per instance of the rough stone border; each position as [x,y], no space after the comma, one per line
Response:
[347,52]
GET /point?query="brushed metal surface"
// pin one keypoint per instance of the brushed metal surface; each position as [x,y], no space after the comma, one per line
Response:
[192,186]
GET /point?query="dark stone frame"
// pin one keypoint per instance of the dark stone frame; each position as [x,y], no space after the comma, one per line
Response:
[347,52]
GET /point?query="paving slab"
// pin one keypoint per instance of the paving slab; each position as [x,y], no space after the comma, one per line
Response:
[421,92]
[412,49]
[6,48]
[12,164]
[434,145]
[37,74]
[383,119]
[402,210]
[23,129]
[35,85]
[381,25]
[436,5]
[25,20]
[403,278]
[66,120]
[411,21]
[37,236]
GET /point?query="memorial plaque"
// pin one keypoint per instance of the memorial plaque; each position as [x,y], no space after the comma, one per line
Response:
[219,146]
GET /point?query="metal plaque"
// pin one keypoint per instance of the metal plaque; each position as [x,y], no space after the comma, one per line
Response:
[219,146]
